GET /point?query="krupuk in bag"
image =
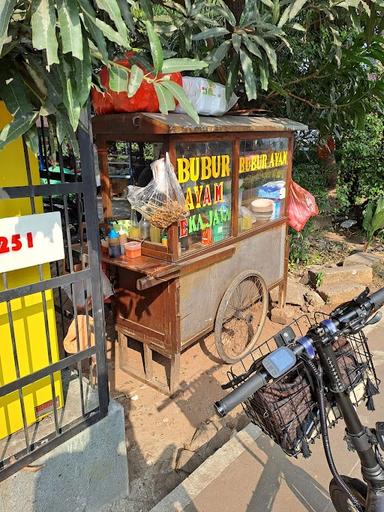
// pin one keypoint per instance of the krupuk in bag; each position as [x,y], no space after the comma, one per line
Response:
[162,201]
[301,206]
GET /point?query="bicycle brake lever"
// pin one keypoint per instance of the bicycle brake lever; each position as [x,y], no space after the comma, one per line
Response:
[375,319]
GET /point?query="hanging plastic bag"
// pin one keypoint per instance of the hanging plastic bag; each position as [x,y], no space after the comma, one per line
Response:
[206,96]
[162,201]
[301,206]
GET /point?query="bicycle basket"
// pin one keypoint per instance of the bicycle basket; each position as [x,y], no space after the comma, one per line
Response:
[286,409]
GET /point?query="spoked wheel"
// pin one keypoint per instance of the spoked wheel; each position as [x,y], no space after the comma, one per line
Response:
[341,500]
[241,316]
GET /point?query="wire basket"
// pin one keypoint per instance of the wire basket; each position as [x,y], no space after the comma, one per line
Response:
[286,409]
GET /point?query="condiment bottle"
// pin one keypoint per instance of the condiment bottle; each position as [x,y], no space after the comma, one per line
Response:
[145,227]
[155,234]
[134,230]
[114,244]
[123,239]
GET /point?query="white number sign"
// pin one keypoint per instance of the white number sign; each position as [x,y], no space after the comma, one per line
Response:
[30,240]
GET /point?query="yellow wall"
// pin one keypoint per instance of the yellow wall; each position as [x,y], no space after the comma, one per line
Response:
[27,312]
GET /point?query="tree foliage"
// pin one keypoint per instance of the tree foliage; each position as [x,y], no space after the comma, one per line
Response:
[320,61]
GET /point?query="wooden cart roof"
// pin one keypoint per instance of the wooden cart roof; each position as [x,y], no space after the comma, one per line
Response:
[160,124]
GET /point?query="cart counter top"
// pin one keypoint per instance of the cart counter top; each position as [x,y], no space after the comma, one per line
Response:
[160,124]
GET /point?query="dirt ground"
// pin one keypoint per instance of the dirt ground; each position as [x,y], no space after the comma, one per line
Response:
[167,438]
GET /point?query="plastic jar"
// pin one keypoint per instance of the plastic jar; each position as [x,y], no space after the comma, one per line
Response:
[132,249]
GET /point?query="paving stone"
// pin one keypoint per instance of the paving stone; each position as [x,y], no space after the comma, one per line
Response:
[337,293]
[363,258]
[350,274]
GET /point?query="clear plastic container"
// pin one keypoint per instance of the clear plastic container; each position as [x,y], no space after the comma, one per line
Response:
[132,249]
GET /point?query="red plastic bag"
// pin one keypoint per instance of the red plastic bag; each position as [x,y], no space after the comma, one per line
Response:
[145,99]
[301,206]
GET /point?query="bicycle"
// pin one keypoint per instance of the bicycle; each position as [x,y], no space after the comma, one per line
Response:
[325,396]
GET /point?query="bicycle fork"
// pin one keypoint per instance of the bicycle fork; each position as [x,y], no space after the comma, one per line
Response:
[360,437]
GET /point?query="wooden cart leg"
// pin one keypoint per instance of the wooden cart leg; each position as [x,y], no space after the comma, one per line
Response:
[282,295]
[174,378]
[148,362]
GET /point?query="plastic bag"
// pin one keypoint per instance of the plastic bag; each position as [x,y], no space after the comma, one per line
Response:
[207,97]
[162,201]
[301,206]
[144,100]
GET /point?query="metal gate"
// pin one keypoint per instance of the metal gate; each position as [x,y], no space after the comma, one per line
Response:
[66,295]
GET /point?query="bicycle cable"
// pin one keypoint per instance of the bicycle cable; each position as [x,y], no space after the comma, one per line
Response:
[318,374]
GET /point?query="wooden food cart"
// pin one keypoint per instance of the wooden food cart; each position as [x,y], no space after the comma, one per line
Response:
[228,167]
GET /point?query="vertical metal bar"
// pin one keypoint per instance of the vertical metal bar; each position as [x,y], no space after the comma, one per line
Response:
[235,206]
[44,300]
[71,268]
[17,368]
[89,179]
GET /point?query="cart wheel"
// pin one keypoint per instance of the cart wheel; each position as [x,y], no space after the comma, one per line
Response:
[241,316]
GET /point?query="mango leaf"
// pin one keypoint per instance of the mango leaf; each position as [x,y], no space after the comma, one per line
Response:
[64,131]
[111,7]
[271,54]
[135,79]
[249,75]
[146,5]
[275,11]
[16,128]
[83,70]
[43,21]
[70,27]
[155,46]
[70,98]
[251,46]
[211,33]
[6,10]
[118,78]
[32,138]
[179,93]
[233,72]
[13,92]
[165,97]
[291,11]
[299,27]
[175,65]
[218,55]
[87,17]
[268,3]
[111,34]
[126,13]
[378,218]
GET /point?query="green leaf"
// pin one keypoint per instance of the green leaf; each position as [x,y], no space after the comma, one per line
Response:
[16,128]
[291,11]
[179,93]
[299,27]
[43,21]
[96,34]
[146,5]
[155,45]
[233,73]
[6,10]
[268,3]
[70,27]
[111,34]
[13,92]
[271,54]
[32,138]
[175,65]
[165,97]
[368,216]
[251,46]
[70,98]
[111,7]
[211,33]
[118,78]
[263,77]
[83,70]
[248,74]
[135,79]
[276,11]
[236,42]
[126,13]
[218,55]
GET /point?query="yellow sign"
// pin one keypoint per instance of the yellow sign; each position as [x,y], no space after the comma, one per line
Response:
[261,161]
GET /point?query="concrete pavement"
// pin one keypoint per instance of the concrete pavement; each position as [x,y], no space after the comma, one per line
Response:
[252,474]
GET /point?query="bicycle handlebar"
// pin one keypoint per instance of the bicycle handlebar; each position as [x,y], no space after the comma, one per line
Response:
[238,395]
[259,379]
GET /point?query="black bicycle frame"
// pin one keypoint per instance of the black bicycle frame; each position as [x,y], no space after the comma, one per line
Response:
[372,472]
